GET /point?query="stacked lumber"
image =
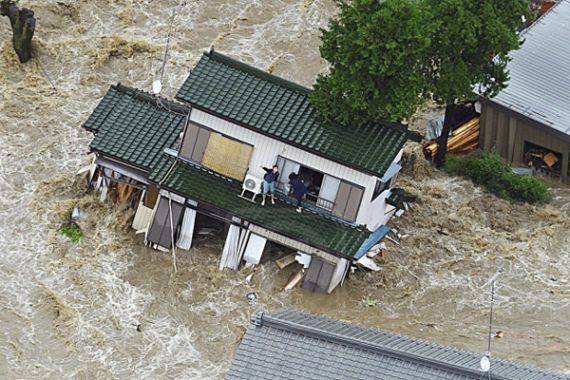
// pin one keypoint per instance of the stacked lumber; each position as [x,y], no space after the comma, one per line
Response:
[461,140]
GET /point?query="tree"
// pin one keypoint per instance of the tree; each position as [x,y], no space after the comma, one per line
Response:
[375,51]
[387,58]
[23,25]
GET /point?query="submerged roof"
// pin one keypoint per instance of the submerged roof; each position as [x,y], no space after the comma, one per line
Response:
[206,186]
[290,344]
[539,85]
[134,126]
[281,109]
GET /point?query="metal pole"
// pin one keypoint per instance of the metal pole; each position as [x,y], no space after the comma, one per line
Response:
[491,317]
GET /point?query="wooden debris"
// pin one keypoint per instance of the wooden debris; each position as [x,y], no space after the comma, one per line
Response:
[285,261]
[550,159]
[461,140]
[295,280]
[124,192]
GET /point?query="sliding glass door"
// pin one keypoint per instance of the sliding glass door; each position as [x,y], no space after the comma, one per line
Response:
[327,194]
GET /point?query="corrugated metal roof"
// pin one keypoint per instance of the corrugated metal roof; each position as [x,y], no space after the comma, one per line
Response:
[281,109]
[291,344]
[539,87]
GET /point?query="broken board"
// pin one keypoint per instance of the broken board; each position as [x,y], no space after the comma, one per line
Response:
[295,280]
[285,261]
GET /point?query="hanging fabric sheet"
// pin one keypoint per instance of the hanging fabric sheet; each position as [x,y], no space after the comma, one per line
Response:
[187,229]
[254,249]
[231,253]
[142,217]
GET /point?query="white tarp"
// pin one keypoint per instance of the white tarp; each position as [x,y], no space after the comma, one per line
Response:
[231,253]
[254,249]
[367,262]
[303,258]
[187,229]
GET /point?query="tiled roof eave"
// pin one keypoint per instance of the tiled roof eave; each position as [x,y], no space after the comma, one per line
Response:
[189,180]
[146,169]
[270,321]
[165,186]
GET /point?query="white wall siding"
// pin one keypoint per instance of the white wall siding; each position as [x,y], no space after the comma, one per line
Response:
[267,149]
[374,213]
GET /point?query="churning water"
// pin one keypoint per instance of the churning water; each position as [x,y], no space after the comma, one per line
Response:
[109,308]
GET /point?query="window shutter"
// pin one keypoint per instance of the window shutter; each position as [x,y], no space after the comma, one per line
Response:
[347,201]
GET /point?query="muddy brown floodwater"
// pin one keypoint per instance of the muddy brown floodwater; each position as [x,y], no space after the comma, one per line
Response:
[72,311]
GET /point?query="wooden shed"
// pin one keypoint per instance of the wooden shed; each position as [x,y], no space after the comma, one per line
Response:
[528,123]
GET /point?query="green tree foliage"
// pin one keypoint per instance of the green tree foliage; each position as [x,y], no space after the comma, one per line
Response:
[376,52]
[389,57]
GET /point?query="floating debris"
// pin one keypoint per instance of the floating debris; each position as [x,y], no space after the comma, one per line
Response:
[75,214]
[369,302]
[251,298]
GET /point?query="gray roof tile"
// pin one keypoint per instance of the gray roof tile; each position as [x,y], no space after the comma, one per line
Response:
[290,344]
[539,85]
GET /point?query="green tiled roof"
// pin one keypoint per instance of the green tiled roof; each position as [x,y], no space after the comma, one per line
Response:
[273,106]
[206,186]
[134,126]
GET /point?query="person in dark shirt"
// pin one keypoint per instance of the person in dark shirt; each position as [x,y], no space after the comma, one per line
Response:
[299,189]
[269,181]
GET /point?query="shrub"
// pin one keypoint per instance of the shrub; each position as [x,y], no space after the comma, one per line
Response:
[72,232]
[489,170]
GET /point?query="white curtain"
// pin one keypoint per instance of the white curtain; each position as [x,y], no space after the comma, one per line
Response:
[254,249]
[329,189]
[231,252]
[142,218]
[187,229]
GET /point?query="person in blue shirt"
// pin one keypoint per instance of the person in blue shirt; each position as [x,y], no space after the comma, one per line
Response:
[299,189]
[269,181]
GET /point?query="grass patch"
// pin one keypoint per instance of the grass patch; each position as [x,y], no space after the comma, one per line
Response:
[72,232]
[489,170]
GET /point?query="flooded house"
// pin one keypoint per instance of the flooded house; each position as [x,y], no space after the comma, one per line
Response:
[204,155]
[291,344]
[529,121]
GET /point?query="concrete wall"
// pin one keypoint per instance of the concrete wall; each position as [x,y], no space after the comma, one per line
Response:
[265,153]
[507,132]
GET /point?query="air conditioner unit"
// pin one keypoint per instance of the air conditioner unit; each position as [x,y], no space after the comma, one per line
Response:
[251,184]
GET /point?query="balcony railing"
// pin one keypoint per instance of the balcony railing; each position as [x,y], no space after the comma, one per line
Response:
[311,201]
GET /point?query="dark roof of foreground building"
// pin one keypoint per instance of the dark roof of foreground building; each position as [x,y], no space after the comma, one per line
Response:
[206,186]
[539,85]
[134,126]
[290,344]
[281,109]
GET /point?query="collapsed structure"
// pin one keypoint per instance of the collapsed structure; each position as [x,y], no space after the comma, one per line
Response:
[204,155]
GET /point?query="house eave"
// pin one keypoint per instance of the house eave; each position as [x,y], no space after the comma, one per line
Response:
[527,119]
[253,222]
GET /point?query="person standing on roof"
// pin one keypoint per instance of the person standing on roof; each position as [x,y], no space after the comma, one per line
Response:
[299,189]
[269,180]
